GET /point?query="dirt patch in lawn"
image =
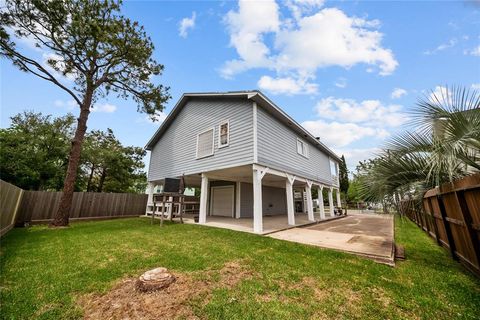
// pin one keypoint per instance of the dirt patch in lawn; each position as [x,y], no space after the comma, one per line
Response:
[124,302]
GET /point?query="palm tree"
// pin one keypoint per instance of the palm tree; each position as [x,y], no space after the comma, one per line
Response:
[444,146]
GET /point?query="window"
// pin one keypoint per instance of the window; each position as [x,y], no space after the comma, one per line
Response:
[333,168]
[223,134]
[205,144]
[302,148]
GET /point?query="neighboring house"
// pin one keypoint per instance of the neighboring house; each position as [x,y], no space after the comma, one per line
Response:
[249,158]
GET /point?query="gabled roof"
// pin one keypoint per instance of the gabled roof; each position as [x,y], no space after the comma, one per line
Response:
[254,95]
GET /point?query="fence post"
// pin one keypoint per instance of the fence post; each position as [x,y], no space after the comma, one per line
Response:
[426,218]
[17,206]
[467,217]
[434,220]
[448,231]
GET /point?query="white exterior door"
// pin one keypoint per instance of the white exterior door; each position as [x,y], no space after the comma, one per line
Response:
[223,201]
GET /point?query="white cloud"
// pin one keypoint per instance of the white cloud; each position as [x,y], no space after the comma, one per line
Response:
[48,59]
[476,86]
[451,43]
[246,27]
[186,24]
[106,108]
[300,7]
[474,52]
[368,112]
[301,46]
[69,104]
[159,117]
[339,135]
[287,85]
[331,38]
[453,25]
[439,94]
[29,41]
[398,93]
[341,83]
[353,156]
[349,126]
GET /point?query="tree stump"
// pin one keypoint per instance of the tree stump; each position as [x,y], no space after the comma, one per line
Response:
[156,279]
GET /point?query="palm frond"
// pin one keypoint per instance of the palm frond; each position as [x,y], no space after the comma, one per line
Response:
[444,146]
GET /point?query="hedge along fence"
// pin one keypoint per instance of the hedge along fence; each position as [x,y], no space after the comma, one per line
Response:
[10,199]
[451,215]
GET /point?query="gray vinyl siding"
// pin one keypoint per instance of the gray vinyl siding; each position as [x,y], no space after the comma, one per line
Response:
[277,147]
[274,201]
[175,153]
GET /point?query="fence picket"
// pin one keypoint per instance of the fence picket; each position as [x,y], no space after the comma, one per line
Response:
[454,212]
[41,206]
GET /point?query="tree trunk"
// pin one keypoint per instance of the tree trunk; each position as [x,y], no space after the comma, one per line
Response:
[102,180]
[63,213]
[89,183]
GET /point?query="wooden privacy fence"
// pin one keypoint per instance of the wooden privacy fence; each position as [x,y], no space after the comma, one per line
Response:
[40,206]
[18,207]
[451,215]
[10,198]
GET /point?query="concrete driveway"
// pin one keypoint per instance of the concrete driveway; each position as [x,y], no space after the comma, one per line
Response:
[368,235]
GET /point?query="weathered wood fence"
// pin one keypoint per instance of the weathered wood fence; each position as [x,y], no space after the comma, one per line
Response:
[40,206]
[451,215]
[10,198]
[18,206]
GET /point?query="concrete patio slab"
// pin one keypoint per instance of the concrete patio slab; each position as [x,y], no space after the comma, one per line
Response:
[270,223]
[369,236]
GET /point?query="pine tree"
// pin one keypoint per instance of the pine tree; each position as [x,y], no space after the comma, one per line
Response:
[343,176]
[91,41]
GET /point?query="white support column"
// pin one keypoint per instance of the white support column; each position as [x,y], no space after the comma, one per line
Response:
[290,201]
[150,189]
[203,200]
[339,201]
[321,208]
[257,201]
[330,202]
[309,201]
[170,207]
[237,199]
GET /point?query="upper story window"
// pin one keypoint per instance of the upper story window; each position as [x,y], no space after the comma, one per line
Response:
[223,134]
[205,143]
[302,148]
[333,168]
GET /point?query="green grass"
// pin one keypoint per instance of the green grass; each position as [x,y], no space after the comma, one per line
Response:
[44,270]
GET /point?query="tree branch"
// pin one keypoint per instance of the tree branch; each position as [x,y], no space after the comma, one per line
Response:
[48,76]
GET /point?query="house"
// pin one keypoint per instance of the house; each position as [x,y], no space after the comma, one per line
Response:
[251,160]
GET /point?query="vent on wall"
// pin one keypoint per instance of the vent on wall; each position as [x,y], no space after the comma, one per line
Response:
[205,144]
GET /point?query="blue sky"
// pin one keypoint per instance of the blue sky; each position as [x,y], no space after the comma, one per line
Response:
[348,71]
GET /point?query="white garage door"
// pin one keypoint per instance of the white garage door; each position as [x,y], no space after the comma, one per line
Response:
[222,201]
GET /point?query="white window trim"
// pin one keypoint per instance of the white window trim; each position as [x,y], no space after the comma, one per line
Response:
[336,167]
[228,134]
[306,148]
[213,143]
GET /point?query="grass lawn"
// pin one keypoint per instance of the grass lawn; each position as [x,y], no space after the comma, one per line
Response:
[44,272]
